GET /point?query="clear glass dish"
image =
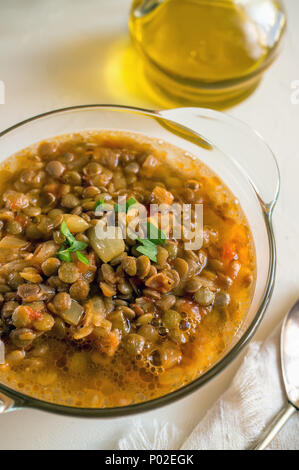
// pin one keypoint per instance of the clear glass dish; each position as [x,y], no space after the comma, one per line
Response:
[231,149]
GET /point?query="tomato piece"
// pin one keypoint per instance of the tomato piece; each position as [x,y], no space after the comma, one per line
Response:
[34,314]
[83,268]
[229,251]
[22,220]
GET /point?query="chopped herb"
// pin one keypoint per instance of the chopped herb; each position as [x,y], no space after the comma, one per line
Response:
[65,231]
[155,234]
[71,245]
[82,258]
[78,246]
[125,207]
[98,204]
[118,207]
[131,202]
[64,255]
[147,248]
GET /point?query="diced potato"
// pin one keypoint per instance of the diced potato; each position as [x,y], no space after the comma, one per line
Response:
[10,246]
[75,223]
[106,248]
[74,314]
[95,310]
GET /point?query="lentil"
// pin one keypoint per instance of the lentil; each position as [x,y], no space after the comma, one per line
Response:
[116,326]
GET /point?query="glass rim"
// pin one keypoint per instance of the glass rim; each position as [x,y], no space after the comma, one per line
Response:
[21,400]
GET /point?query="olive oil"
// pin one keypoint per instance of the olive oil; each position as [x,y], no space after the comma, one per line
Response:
[204,50]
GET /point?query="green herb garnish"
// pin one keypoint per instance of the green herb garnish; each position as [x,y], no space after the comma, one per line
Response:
[98,204]
[148,247]
[64,253]
[125,207]
[118,207]
[82,258]
[155,234]
[71,245]
[130,202]
[65,231]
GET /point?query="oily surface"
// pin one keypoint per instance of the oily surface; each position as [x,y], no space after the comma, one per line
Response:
[104,325]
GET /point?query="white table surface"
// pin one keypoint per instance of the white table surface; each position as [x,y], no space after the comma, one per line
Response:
[59,53]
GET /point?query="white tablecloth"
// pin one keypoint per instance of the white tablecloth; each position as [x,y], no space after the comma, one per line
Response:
[238,418]
[60,53]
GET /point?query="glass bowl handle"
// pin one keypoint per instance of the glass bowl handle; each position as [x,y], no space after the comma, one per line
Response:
[237,140]
[7,404]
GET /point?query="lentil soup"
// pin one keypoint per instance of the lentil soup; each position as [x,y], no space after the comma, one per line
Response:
[105,323]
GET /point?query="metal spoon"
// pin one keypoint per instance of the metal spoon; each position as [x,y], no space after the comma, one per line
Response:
[289,351]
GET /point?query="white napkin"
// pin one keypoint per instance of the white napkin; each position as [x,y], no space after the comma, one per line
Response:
[237,419]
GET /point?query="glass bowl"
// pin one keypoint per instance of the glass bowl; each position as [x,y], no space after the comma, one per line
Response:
[231,149]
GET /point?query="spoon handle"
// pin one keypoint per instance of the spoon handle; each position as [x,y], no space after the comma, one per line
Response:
[275,426]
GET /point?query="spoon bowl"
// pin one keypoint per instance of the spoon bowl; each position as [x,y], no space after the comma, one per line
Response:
[290,354]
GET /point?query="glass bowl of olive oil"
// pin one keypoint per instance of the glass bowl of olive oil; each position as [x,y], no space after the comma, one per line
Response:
[207,52]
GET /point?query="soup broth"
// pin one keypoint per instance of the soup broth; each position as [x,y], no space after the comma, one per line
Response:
[98,323]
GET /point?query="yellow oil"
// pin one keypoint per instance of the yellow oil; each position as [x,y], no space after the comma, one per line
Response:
[199,44]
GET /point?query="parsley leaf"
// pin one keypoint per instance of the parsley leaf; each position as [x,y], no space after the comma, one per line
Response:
[65,231]
[125,207]
[64,255]
[78,246]
[98,204]
[118,207]
[71,245]
[82,258]
[155,234]
[131,202]
[147,248]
